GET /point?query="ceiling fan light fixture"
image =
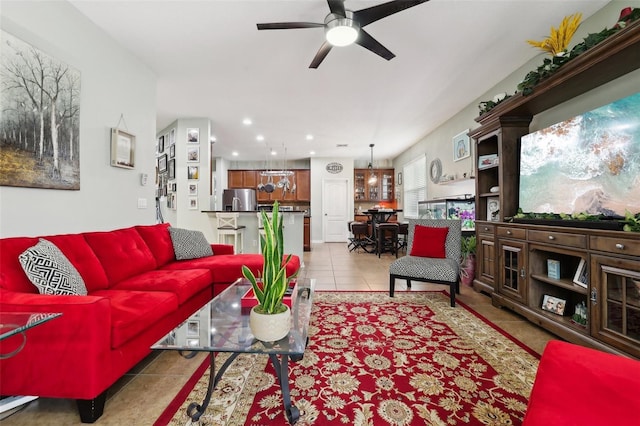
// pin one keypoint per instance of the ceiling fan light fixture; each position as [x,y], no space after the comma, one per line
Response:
[341,31]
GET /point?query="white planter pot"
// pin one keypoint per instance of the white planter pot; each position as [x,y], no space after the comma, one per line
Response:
[270,328]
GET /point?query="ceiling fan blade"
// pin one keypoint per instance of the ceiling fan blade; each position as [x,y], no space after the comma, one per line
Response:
[322,53]
[365,40]
[288,25]
[337,7]
[374,13]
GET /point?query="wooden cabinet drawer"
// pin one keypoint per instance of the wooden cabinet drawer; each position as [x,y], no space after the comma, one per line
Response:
[560,238]
[506,232]
[626,246]
[484,228]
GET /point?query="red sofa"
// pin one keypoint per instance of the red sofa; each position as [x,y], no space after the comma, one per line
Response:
[578,386]
[137,293]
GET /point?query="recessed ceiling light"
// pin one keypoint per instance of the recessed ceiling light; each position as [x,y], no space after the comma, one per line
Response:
[259,138]
[234,153]
[247,122]
[309,137]
[312,153]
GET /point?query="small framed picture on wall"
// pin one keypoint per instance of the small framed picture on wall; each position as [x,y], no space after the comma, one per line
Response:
[461,146]
[193,154]
[193,172]
[193,203]
[193,135]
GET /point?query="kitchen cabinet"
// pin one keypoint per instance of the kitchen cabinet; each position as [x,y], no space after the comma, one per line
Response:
[303,185]
[237,179]
[307,234]
[252,178]
[382,190]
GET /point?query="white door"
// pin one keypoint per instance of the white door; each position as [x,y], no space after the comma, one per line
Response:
[335,206]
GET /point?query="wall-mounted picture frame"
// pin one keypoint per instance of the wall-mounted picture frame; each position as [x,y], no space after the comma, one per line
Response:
[553,304]
[161,144]
[581,276]
[123,149]
[399,180]
[172,137]
[193,135]
[193,188]
[172,168]
[193,203]
[193,328]
[193,172]
[193,343]
[172,151]
[162,163]
[461,146]
[193,154]
[493,209]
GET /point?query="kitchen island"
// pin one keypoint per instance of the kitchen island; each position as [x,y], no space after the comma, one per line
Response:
[292,223]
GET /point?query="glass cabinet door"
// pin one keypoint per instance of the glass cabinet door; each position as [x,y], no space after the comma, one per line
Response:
[513,272]
[359,185]
[386,185]
[616,303]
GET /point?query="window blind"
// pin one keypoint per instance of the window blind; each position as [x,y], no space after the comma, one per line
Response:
[414,186]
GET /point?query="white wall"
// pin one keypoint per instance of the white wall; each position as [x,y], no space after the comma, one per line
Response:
[183,216]
[437,144]
[113,82]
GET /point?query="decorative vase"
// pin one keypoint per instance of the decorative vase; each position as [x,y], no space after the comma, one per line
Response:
[270,327]
[468,270]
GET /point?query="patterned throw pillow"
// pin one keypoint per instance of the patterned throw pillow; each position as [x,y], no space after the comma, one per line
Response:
[50,270]
[429,242]
[189,244]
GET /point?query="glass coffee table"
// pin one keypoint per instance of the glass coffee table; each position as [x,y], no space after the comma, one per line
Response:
[12,323]
[17,323]
[222,325]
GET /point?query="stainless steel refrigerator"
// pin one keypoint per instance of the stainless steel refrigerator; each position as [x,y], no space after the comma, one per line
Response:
[239,200]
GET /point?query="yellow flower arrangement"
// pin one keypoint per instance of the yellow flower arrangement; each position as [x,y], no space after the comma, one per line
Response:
[559,39]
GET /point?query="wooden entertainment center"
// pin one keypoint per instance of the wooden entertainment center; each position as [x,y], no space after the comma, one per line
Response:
[512,258]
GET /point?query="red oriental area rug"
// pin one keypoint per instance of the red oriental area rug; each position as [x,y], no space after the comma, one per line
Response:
[376,360]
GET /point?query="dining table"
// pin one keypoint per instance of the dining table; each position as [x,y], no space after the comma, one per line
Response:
[379,216]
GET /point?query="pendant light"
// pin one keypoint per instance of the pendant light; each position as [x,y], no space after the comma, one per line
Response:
[373,178]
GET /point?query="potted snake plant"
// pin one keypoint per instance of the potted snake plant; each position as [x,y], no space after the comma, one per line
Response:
[270,318]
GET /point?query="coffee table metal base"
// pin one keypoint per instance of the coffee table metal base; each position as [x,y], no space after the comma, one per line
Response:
[195,410]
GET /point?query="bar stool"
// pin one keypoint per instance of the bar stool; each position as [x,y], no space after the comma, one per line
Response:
[387,235]
[360,239]
[403,236]
[228,227]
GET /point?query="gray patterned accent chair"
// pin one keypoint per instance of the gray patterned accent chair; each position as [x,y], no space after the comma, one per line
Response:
[434,270]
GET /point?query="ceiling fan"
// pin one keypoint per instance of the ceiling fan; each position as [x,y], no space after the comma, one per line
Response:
[343,27]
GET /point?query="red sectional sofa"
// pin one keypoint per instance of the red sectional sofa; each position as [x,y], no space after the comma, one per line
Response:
[136,293]
[578,386]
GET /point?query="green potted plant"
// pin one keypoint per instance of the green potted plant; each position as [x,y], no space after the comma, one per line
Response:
[468,261]
[270,318]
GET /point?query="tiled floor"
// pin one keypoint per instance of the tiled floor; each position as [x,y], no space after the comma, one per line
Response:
[140,397]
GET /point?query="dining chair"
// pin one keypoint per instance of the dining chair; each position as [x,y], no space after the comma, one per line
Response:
[433,255]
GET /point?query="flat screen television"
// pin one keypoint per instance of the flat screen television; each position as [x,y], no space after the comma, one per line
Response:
[587,164]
